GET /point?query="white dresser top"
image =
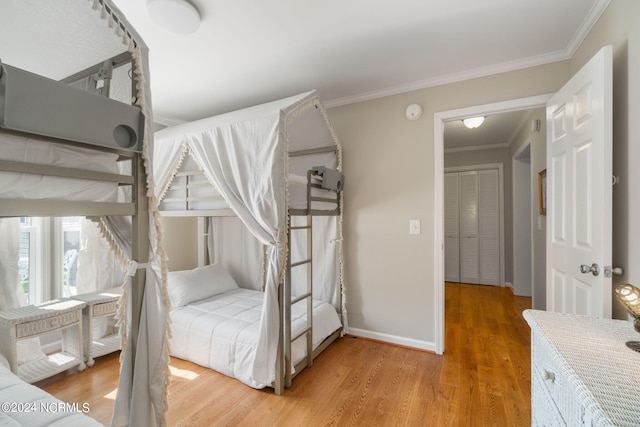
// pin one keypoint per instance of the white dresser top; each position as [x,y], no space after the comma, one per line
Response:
[604,371]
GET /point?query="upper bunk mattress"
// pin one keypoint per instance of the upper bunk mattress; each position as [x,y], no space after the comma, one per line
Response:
[221,332]
[38,187]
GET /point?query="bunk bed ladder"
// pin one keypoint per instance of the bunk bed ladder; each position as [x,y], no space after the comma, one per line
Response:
[307,295]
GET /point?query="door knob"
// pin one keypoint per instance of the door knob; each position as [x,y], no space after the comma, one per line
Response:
[593,269]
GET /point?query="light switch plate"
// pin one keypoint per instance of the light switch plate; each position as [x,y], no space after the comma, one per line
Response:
[414,226]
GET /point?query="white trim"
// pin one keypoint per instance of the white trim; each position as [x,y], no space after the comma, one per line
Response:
[592,17]
[392,339]
[438,193]
[532,61]
[450,78]
[165,121]
[501,207]
[508,285]
[476,147]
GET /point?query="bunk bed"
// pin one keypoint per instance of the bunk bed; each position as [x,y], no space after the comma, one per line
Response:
[67,148]
[276,167]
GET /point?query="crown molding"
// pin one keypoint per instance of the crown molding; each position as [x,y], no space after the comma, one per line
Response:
[586,26]
[450,78]
[165,121]
[590,20]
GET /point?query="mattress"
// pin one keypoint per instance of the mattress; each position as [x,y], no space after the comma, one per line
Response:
[26,405]
[221,332]
[40,187]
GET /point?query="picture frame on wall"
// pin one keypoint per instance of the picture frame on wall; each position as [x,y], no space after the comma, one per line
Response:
[542,191]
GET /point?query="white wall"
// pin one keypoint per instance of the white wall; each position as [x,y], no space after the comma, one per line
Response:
[389,164]
[521,184]
[180,242]
[538,153]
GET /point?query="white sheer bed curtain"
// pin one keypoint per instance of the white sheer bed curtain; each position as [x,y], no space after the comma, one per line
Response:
[144,372]
[245,162]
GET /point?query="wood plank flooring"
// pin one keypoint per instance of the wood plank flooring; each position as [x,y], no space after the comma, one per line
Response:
[483,379]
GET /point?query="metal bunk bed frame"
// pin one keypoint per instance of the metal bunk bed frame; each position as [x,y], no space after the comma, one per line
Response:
[137,207]
[285,372]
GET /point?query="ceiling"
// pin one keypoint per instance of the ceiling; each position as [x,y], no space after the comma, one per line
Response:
[497,131]
[247,52]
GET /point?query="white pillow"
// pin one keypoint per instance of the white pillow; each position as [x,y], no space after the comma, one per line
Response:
[187,286]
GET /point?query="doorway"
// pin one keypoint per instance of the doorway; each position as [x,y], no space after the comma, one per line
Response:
[438,232]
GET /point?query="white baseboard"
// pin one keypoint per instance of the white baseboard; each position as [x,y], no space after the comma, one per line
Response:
[393,339]
[508,285]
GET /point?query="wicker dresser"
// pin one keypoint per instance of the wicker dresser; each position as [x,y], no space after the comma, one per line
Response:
[100,304]
[582,373]
[64,315]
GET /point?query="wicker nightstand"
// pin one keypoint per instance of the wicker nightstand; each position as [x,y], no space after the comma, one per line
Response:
[582,373]
[64,315]
[100,304]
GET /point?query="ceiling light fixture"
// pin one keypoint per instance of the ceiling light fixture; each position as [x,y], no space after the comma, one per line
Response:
[176,16]
[473,122]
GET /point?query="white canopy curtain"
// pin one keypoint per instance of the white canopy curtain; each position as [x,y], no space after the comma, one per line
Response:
[225,154]
[141,399]
[244,154]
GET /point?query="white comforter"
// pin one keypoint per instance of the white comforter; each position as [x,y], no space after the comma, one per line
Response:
[23,404]
[221,332]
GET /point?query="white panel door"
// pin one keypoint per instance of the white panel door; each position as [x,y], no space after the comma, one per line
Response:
[489,227]
[451,228]
[469,250]
[579,157]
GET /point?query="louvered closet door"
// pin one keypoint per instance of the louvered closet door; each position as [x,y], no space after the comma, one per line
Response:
[469,249]
[451,228]
[489,227]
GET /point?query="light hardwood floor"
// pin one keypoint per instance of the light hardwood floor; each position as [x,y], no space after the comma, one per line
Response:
[483,379]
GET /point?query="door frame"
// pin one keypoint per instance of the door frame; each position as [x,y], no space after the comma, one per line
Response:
[439,119]
[501,207]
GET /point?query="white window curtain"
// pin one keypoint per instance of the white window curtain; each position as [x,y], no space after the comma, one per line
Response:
[11,292]
[9,271]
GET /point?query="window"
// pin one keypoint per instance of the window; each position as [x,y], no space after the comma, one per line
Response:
[48,260]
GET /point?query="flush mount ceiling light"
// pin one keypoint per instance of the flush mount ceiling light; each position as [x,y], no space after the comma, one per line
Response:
[473,122]
[176,16]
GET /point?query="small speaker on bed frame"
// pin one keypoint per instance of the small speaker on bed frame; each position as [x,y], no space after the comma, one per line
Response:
[331,179]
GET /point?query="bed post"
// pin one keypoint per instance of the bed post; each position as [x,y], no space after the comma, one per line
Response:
[139,245]
[278,385]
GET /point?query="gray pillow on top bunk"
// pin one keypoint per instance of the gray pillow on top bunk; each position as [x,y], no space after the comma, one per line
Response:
[187,286]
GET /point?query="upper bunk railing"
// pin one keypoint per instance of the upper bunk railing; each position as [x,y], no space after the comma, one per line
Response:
[100,74]
[56,207]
